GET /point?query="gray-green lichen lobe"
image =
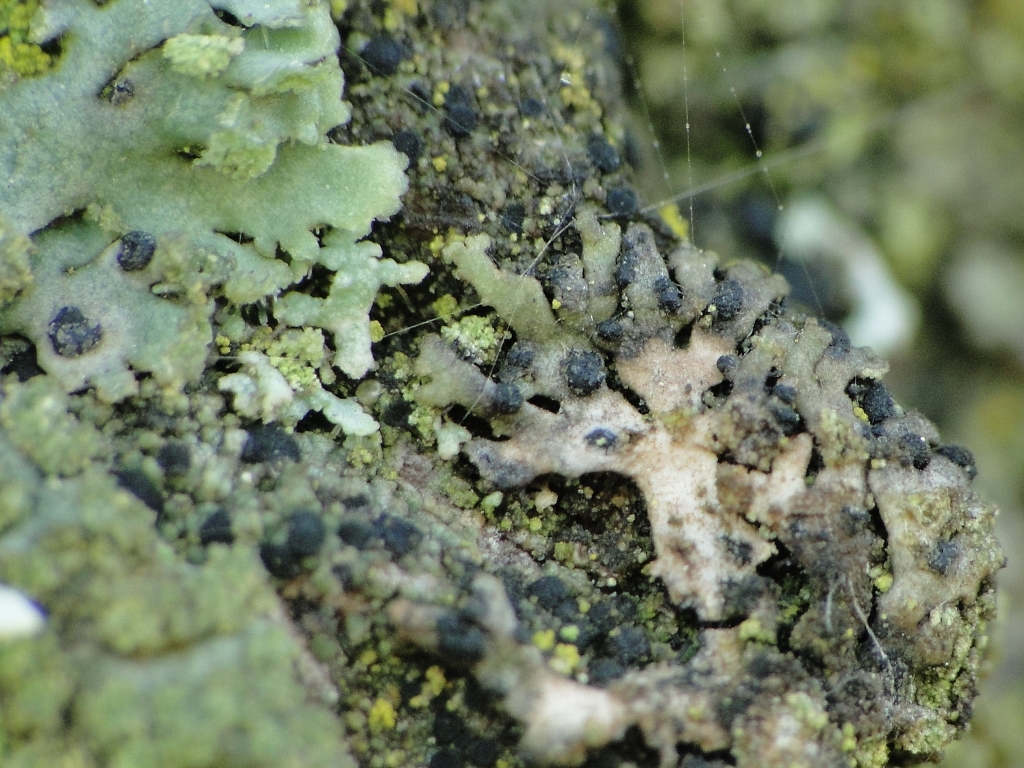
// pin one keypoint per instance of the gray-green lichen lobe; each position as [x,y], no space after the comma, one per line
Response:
[635,511]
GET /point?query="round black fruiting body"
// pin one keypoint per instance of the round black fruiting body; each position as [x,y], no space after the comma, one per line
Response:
[602,154]
[216,529]
[961,457]
[306,533]
[383,55]
[72,334]
[584,372]
[728,300]
[507,399]
[269,442]
[136,250]
[409,144]
[622,202]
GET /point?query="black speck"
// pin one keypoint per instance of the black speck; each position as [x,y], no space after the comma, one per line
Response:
[726,364]
[447,758]
[942,556]
[520,356]
[550,591]
[482,752]
[785,392]
[136,250]
[396,413]
[628,266]
[174,458]
[788,418]
[409,144]
[629,645]
[383,54]
[72,333]
[507,398]
[584,372]
[357,501]
[669,297]
[961,457]
[23,364]
[400,536]
[512,216]
[306,533]
[622,201]
[460,118]
[458,641]
[915,450]
[601,438]
[602,618]
[136,481]
[419,97]
[531,107]
[269,442]
[279,560]
[216,529]
[355,532]
[602,671]
[602,154]
[609,330]
[877,403]
[741,550]
[121,92]
[728,300]
[841,343]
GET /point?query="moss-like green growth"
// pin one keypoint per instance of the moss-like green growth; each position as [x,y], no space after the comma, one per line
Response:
[145,660]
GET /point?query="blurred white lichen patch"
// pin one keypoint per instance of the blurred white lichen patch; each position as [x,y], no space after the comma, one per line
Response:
[19,616]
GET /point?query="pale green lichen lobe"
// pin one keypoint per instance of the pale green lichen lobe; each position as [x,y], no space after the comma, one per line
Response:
[210,142]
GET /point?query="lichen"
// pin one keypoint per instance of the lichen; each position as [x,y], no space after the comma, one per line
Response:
[601,496]
[132,634]
[207,142]
[722,453]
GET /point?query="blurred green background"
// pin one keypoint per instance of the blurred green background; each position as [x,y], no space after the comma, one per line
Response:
[890,190]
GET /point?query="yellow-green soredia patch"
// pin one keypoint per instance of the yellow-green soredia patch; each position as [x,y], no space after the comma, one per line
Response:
[19,54]
[202,55]
[145,660]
